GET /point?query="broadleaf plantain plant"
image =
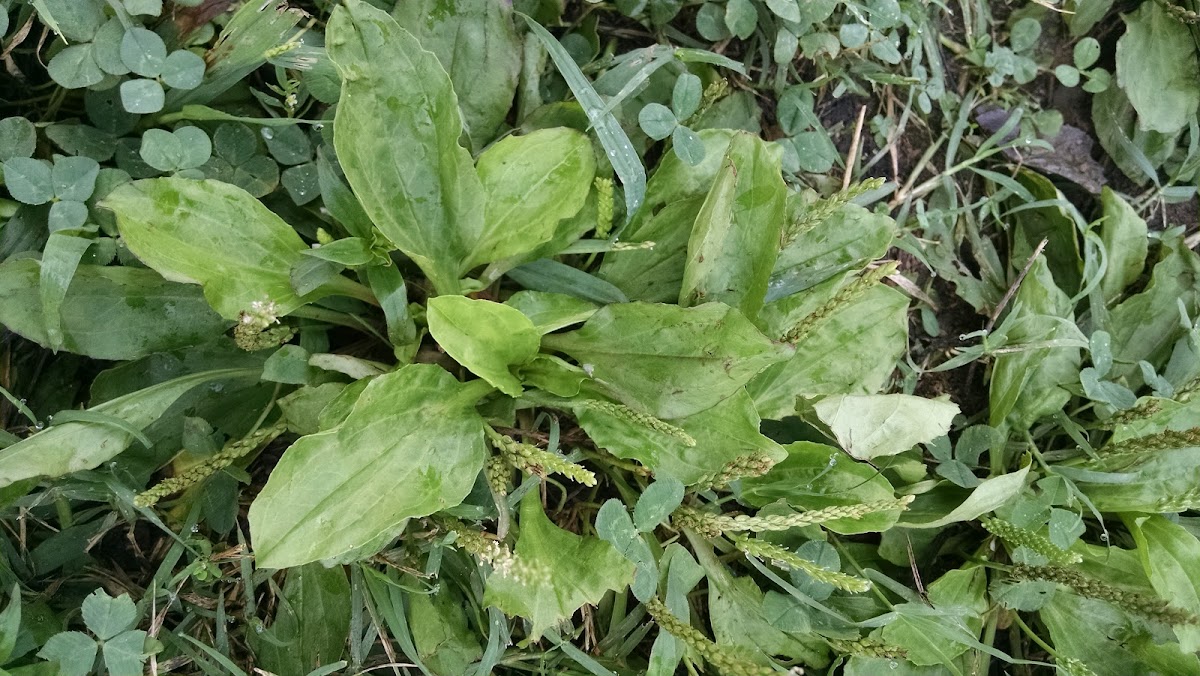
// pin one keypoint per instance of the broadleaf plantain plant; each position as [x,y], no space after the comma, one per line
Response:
[730,304]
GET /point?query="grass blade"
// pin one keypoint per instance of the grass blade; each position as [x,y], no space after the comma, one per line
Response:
[621,155]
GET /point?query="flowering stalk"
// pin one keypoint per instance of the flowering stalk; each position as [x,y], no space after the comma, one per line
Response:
[1073,667]
[710,524]
[497,471]
[867,647]
[1023,537]
[751,465]
[724,660]
[845,296]
[253,331]
[210,465]
[496,554]
[604,207]
[772,552]
[534,460]
[1140,604]
[641,419]
[1162,441]
[823,208]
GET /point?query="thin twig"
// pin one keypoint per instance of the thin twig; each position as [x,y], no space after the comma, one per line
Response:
[853,156]
[1012,288]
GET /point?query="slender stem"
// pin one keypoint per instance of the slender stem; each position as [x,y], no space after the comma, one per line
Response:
[1034,637]
[348,287]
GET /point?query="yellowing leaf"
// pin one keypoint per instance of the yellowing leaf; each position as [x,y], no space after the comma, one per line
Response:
[884,424]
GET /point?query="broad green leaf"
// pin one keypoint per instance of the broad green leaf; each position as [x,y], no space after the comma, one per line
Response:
[488,338]
[1033,383]
[655,275]
[1052,223]
[143,51]
[28,180]
[871,426]
[848,239]
[739,620]
[74,651]
[336,491]
[992,494]
[443,639]
[1112,642]
[854,351]
[1169,553]
[1157,67]
[551,311]
[1146,325]
[673,198]
[18,138]
[614,526]
[311,621]
[573,571]
[60,260]
[656,503]
[657,121]
[1123,233]
[478,46]
[75,67]
[816,476]
[1165,482]
[213,234]
[125,653]
[73,446]
[736,235]
[142,96]
[432,209]
[937,639]
[75,20]
[183,69]
[723,433]
[531,183]
[670,361]
[106,616]
[10,623]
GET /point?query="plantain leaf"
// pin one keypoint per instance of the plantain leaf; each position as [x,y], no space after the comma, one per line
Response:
[213,234]
[735,239]
[76,446]
[411,445]
[670,361]
[878,425]
[488,338]
[531,183]
[478,46]
[571,571]
[420,187]
[110,312]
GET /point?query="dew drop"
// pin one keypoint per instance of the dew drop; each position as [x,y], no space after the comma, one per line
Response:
[267,133]
[1104,536]
[195,528]
[893,664]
